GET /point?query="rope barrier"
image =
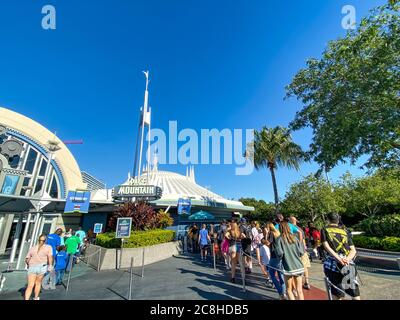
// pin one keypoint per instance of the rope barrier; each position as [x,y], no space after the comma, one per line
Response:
[315,279]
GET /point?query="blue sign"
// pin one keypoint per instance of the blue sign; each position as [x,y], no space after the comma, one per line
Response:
[10,184]
[98,227]
[77,202]
[124,226]
[184,206]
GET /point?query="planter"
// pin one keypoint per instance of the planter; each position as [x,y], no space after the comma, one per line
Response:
[111,259]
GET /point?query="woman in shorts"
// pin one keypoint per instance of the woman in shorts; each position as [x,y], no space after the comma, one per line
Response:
[234,236]
[39,260]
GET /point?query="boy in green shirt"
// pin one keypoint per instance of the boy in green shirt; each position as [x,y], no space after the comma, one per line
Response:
[72,244]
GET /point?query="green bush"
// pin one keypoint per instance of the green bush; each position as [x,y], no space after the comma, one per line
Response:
[137,239]
[391,244]
[384,226]
[375,243]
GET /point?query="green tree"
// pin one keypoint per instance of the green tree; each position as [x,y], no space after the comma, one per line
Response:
[371,195]
[311,199]
[351,96]
[272,147]
[263,211]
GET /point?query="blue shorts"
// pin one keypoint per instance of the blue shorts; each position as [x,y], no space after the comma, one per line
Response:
[38,269]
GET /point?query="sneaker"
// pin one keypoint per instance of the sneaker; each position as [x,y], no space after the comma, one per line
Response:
[307,286]
[38,298]
[233,280]
[270,284]
[283,297]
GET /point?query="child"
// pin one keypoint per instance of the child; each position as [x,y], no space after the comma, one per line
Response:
[225,252]
[265,256]
[61,264]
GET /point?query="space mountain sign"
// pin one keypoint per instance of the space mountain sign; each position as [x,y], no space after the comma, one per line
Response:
[137,189]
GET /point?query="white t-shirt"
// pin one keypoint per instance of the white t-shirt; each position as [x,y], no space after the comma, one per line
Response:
[265,255]
[257,237]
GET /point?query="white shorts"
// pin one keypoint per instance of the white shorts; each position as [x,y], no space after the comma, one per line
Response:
[38,269]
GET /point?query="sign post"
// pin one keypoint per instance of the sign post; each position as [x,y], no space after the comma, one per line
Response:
[124,227]
[98,227]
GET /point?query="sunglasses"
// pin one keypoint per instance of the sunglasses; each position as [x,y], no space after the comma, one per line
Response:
[42,240]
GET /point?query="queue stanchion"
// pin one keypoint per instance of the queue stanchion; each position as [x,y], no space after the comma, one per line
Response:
[143,264]
[70,266]
[185,244]
[130,281]
[214,258]
[328,288]
[98,260]
[242,271]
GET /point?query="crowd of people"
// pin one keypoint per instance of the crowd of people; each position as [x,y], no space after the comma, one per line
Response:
[52,257]
[283,250]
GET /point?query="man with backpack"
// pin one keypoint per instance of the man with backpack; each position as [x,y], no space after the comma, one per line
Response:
[339,267]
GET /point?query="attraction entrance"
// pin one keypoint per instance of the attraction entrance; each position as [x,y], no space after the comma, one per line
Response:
[22,220]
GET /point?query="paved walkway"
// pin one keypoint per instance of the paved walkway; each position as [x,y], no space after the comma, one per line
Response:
[180,278]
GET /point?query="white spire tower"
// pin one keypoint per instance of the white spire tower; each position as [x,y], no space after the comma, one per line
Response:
[145,117]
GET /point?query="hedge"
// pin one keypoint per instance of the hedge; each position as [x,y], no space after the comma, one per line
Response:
[384,226]
[137,239]
[376,243]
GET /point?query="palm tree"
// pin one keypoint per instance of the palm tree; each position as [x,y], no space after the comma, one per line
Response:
[272,147]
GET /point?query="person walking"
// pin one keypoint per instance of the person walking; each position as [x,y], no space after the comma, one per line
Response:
[225,251]
[234,236]
[245,230]
[304,258]
[290,250]
[257,236]
[204,240]
[61,264]
[275,263]
[265,256]
[72,244]
[54,240]
[39,260]
[339,263]
[91,236]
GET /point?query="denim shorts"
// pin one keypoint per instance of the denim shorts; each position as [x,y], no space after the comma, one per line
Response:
[37,269]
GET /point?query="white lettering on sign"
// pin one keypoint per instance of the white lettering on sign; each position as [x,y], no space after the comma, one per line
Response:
[136,190]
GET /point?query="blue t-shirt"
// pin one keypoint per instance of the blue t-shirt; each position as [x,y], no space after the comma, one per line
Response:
[81,234]
[203,237]
[54,240]
[293,228]
[61,260]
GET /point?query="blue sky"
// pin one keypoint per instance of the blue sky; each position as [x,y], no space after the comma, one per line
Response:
[213,64]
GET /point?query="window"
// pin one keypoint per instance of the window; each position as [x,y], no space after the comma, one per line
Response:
[25,184]
[14,162]
[43,167]
[54,188]
[39,185]
[31,160]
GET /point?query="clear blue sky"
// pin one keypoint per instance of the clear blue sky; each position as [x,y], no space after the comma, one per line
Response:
[213,63]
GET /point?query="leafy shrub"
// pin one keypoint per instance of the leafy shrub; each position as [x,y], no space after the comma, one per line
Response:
[391,244]
[375,243]
[384,226]
[137,239]
[143,216]
[164,219]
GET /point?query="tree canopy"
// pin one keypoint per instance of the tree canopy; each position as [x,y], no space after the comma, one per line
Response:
[351,96]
